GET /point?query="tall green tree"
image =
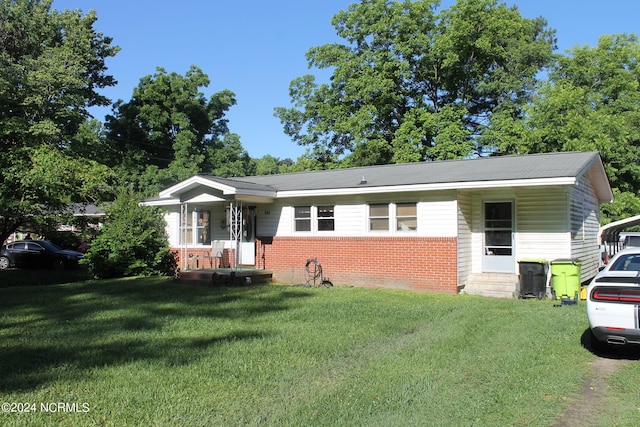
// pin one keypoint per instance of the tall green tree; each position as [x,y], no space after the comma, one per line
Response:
[413,83]
[52,65]
[228,157]
[270,165]
[591,102]
[166,131]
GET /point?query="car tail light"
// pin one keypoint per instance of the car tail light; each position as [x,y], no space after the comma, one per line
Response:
[616,294]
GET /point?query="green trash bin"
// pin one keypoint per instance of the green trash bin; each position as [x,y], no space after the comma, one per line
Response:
[565,279]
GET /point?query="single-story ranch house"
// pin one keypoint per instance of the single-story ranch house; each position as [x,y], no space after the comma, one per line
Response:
[434,226]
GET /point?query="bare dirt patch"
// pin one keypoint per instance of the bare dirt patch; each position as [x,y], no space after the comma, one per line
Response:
[592,393]
[584,411]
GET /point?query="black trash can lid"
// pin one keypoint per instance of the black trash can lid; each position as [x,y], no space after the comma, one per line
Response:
[534,260]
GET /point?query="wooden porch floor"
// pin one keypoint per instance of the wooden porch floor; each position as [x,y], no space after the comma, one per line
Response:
[242,276]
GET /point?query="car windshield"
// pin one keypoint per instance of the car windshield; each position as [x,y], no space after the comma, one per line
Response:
[629,262]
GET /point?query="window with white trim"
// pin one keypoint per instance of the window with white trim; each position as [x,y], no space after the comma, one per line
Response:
[203,227]
[302,218]
[326,219]
[393,217]
[195,227]
[379,217]
[406,217]
[186,229]
[314,218]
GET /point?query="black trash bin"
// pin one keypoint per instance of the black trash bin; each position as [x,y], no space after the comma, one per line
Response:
[533,278]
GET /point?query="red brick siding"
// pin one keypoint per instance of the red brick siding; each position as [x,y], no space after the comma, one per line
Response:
[416,263]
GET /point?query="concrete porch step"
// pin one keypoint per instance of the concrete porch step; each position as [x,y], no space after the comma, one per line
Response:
[498,285]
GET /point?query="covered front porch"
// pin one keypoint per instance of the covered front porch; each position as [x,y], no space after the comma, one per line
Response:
[216,235]
[211,221]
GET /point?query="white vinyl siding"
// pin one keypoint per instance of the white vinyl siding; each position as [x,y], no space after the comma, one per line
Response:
[585,225]
[269,220]
[173,226]
[438,218]
[464,236]
[435,216]
[350,220]
[541,224]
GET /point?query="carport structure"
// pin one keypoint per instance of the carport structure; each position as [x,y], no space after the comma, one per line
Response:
[609,235]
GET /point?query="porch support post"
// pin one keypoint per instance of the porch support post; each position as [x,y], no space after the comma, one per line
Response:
[184,221]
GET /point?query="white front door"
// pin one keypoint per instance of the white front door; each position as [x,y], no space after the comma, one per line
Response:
[248,243]
[247,253]
[498,251]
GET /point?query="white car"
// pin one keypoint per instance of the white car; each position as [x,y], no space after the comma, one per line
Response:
[613,301]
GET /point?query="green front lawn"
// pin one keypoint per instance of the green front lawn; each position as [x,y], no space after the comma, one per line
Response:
[151,352]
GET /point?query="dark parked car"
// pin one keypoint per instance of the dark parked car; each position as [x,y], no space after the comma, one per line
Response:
[37,253]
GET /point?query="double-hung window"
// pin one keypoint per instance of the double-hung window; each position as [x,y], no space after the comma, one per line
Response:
[326,220]
[203,227]
[186,228]
[379,217]
[406,217]
[314,218]
[393,217]
[195,227]
[302,218]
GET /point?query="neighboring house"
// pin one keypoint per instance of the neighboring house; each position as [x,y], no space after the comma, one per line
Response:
[433,226]
[86,216]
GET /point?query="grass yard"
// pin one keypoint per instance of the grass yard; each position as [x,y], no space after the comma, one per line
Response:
[41,277]
[148,351]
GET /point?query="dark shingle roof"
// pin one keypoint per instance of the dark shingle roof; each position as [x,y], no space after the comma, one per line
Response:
[536,166]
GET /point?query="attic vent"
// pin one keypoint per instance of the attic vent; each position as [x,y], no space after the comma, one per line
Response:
[364,180]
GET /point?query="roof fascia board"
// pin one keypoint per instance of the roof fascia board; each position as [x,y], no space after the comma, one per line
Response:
[157,202]
[183,185]
[193,182]
[250,193]
[430,187]
[596,173]
[204,198]
[254,199]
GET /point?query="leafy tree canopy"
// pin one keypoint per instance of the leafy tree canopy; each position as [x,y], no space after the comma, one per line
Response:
[413,83]
[169,130]
[591,102]
[52,65]
[270,165]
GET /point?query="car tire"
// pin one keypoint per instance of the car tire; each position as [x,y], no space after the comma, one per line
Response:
[4,263]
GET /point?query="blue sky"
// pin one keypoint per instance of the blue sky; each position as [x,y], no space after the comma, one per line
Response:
[256,47]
